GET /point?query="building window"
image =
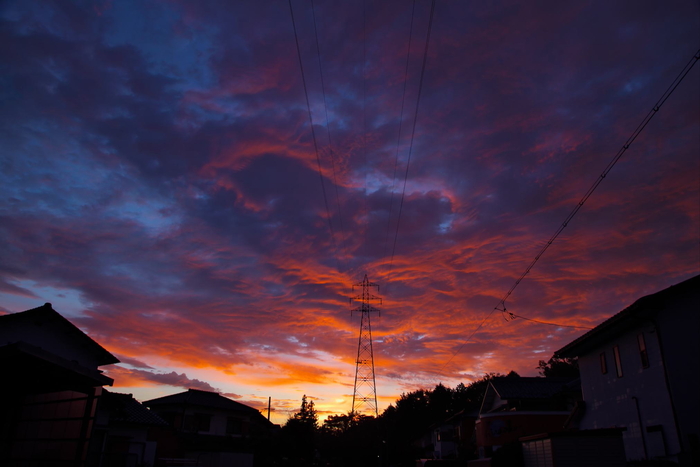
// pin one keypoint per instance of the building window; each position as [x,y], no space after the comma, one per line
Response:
[643,351]
[234,426]
[603,363]
[618,363]
[197,423]
[203,421]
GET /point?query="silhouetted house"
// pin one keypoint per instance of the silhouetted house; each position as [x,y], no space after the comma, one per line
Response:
[213,429]
[51,384]
[514,407]
[126,433]
[640,372]
[453,437]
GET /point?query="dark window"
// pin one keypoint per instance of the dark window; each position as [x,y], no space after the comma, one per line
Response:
[234,426]
[643,351]
[197,422]
[603,364]
[618,362]
[202,421]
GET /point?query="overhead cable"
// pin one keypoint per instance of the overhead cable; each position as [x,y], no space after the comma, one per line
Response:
[672,87]
[328,128]
[413,133]
[398,138]
[313,134]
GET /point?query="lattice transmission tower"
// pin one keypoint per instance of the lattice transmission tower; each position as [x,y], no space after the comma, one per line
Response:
[364,397]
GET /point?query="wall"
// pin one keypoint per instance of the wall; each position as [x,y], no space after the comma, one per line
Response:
[679,333]
[574,450]
[501,428]
[612,401]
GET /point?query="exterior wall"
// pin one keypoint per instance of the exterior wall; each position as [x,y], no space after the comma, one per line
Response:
[678,332]
[501,428]
[217,423]
[640,394]
[124,447]
[445,441]
[574,451]
[538,453]
[53,428]
[221,459]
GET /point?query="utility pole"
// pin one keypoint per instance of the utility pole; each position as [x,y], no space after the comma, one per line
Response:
[364,397]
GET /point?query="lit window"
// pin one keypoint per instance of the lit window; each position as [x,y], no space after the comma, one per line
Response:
[603,364]
[643,351]
[618,363]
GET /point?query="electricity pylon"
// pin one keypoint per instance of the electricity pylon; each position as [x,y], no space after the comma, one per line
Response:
[364,397]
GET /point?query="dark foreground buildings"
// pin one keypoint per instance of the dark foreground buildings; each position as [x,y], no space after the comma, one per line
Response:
[640,373]
[55,412]
[51,386]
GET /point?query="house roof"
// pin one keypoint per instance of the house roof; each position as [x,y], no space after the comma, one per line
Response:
[35,369]
[123,408]
[529,387]
[46,314]
[645,308]
[511,389]
[203,399]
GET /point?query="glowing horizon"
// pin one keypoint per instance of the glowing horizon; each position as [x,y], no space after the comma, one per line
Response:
[160,185]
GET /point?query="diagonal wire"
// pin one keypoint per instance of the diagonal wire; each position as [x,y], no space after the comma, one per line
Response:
[398,139]
[413,134]
[313,134]
[508,316]
[672,87]
[328,129]
[364,118]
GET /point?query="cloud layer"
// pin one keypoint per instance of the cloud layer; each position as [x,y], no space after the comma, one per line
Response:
[158,180]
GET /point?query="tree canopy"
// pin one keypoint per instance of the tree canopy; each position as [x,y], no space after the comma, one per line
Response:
[559,367]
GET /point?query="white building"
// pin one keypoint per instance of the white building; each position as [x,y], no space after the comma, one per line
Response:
[640,371]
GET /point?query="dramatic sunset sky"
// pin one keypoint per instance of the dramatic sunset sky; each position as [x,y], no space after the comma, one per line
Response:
[160,187]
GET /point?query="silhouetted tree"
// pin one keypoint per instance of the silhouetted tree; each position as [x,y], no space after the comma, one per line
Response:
[559,367]
[299,435]
[469,397]
[307,414]
[337,424]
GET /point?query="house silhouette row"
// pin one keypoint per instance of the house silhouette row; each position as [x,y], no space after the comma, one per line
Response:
[636,400]
[55,411]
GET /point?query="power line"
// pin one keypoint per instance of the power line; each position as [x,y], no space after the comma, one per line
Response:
[672,87]
[313,134]
[364,117]
[413,133]
[398,139]
[328,129]
[508,316]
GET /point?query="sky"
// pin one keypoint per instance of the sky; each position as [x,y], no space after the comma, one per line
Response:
[161,186]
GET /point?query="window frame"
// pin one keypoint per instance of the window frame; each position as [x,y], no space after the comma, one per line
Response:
[603,364]
[643,352]
[618,361]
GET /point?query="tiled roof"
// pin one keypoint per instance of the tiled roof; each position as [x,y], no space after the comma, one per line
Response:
[125,409]
[529,387]
[643,307]
[46,314]
[201,398]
